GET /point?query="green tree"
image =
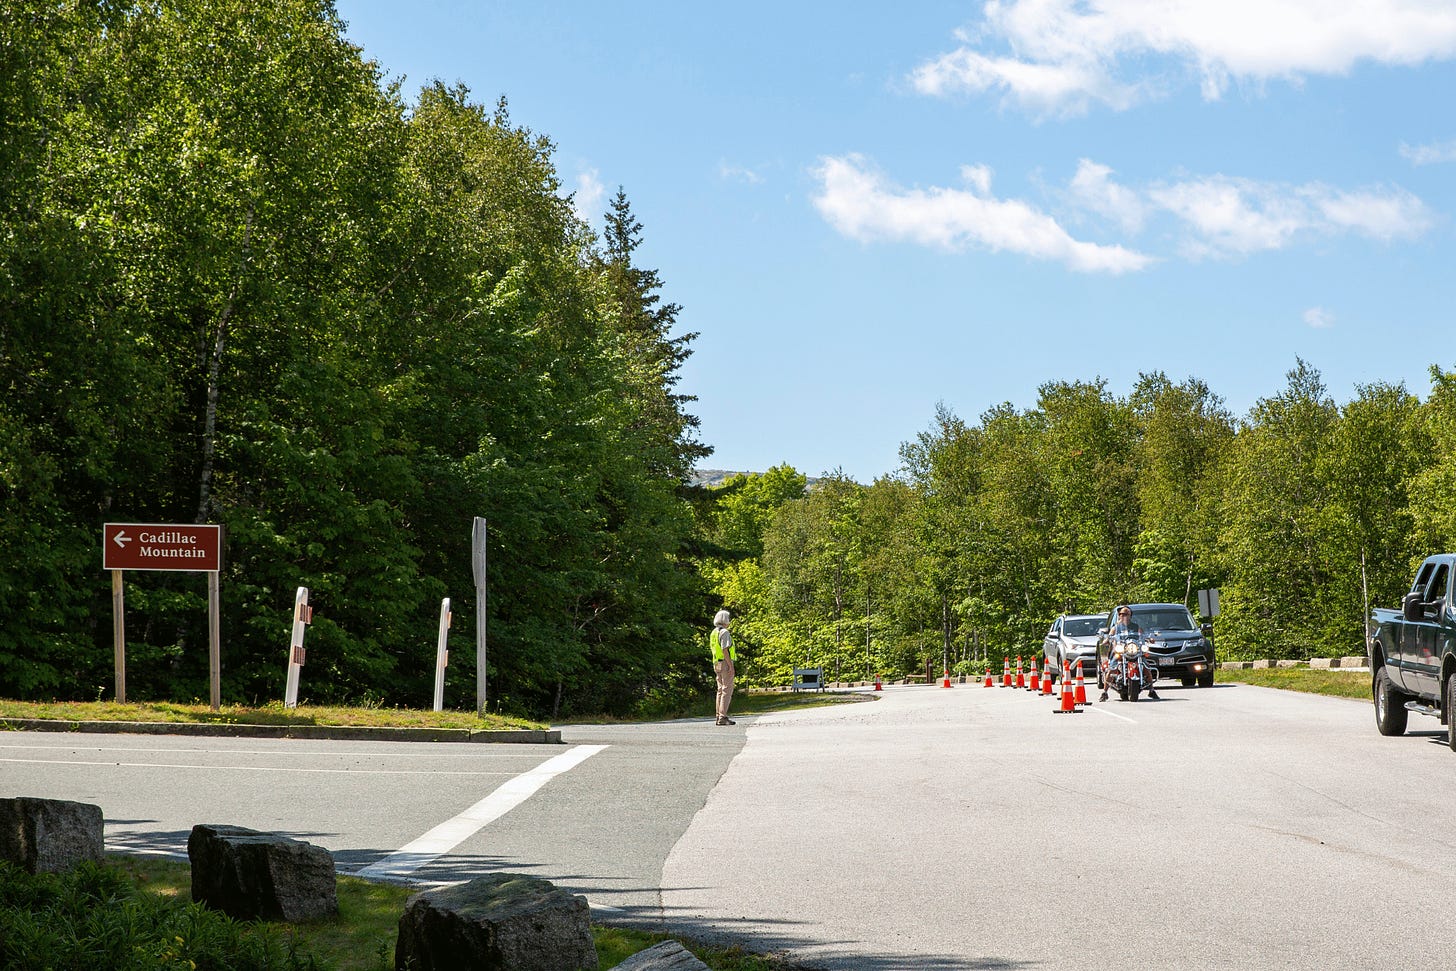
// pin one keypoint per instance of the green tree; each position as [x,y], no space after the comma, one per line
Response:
[1432,480]
[1184,430]
[1275,522]
[1379,446]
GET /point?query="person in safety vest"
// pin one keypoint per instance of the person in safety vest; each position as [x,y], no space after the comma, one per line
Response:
[720,645]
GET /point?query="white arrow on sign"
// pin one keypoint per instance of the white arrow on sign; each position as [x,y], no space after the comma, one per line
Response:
[121,539]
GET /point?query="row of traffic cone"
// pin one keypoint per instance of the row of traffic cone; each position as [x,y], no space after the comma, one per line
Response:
[1072,698]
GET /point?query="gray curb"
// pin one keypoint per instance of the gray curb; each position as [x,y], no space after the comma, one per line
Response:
[533,736]
[1317,663]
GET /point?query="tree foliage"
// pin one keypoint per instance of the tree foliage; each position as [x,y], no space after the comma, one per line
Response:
[242,281]
[1087,500]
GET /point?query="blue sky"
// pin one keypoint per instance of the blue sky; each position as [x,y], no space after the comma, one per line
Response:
[868,209]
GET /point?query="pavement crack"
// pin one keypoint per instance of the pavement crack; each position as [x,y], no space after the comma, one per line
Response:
[1067,790]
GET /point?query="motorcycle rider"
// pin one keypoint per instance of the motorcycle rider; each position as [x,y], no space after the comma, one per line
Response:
[1125,629]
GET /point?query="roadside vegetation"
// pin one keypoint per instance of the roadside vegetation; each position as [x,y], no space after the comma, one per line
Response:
[135,914]
[702,705]
[694,706]
[271,714]
[1336,683]
[1086,499]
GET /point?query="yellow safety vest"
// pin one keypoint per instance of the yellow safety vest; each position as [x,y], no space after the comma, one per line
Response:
[715,646]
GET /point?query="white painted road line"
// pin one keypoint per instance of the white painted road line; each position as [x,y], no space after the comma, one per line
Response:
[1112,714]
[290,753]
[451,833]
[245,768]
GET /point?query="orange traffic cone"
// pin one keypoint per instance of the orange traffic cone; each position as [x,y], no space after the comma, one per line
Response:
[1035,683]
[990,679]
[1069,704]
[1046,680]
[946,682]
[1080,695]
[1006,673]
[1020,676]
[877,683]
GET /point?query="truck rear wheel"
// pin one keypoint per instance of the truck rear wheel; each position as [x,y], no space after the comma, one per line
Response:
[1390,713]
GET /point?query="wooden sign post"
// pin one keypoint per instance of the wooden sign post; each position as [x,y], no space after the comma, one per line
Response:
[187,548]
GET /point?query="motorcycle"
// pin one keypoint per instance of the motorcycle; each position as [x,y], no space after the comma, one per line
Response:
[1128,669]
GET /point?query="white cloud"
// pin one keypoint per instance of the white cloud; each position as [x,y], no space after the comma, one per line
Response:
[1380,214]
[1319,318]
[1093,189]
[1067,86]
[860,203]
[1063,55]
[1231,215]
[1429,154]
[739,173]
[1215,216]
[587,199]
[1225,216]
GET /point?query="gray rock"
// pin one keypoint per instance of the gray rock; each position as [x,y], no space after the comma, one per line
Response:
[667,956]
[50,835]
[500,922]
[250,875]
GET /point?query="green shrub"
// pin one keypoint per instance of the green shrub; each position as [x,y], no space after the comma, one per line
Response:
[94,917]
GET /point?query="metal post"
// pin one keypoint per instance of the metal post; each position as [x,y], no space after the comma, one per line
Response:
[302,614]
[945,633]
[118,634]
[214,639]
[1365,595]
[869,661]
[478,536]
[442,656]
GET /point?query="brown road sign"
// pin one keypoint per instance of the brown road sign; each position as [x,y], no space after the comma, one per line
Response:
[134,546]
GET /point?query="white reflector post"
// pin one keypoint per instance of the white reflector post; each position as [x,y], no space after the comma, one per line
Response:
[442,656]
[302,614]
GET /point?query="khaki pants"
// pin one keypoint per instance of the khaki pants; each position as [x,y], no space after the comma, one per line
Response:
[724,670]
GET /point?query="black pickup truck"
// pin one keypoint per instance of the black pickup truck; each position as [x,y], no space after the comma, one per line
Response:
[1413,652]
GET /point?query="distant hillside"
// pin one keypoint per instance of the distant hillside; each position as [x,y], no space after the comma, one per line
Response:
[711,478]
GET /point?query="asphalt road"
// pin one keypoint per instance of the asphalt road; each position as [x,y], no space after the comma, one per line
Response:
[1231,827]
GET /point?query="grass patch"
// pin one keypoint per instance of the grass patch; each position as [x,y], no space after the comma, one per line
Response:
[744,703]
[616,944]
[1335,683]
[136,912]
[361,938]
[762,702]
[270,714]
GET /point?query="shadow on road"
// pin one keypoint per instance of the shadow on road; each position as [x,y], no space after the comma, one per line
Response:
[782,937]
